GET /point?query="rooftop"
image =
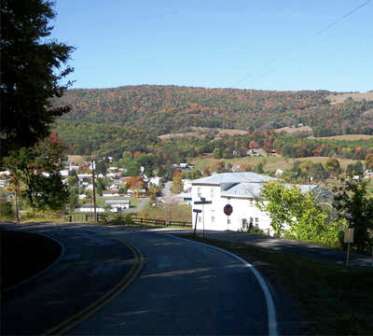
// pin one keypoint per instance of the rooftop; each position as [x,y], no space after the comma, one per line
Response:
[234,178]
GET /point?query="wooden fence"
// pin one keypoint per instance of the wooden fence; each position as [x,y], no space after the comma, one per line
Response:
[153,221]
[89,218]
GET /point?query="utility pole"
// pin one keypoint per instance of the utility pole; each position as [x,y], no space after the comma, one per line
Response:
[16,198]
[93,166]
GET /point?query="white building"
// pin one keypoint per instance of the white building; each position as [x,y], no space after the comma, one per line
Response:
[118,205]
[241,190]
[155,180]
[89,209]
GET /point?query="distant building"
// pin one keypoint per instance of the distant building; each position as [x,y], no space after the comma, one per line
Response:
[110,194]
[155,180]
[118,205]
[239,190]
[64,172]
[279,172]
[89,209]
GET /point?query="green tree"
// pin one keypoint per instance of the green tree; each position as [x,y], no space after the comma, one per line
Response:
[73,199]
[32,68]
[259,168]
[318,172]
[298,214]
[280,203]
[355,169]
[38,168]
[355,205]
[333,167]
[6,209]
[100,185]
[218,153]
[369,161]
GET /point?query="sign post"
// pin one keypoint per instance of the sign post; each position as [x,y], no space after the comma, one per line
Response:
[196,211]
[348,239]
[201,202]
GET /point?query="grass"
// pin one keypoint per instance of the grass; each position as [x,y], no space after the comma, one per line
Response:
[270,163]
[347,137]
[169,212]
[334,300]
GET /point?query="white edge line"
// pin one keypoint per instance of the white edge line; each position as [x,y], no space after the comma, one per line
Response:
[271,310]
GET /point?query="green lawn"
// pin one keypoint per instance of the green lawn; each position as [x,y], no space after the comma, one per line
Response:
[270,163]
[335,300]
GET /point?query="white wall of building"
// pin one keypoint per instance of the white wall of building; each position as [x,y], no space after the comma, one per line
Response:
[212,216]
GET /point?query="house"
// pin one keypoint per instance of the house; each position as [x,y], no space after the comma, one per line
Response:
[118,205]
[155,180]
[279,172]
[110,194]
[64,172]
[183,166]
[241,190]
[89,209]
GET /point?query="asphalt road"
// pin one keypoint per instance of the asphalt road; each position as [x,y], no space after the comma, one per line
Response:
[89,266]
[184,288]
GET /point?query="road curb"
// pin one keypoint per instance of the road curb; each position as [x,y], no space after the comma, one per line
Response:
[124,283]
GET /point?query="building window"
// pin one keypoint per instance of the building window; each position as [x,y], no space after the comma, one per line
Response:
[212,192]
[212,219]
[228,221]
[199,219]
[199,192]
[256,221]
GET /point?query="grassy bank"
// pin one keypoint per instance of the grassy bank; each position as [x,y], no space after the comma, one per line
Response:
[24,254]
[335,300]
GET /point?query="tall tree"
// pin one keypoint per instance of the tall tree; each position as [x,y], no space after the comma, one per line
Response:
[177,182]
[32,69]
[355,204]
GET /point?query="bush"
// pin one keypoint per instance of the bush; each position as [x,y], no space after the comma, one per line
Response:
[6,210]
[118,220]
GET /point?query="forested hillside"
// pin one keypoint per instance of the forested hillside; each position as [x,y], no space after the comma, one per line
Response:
[138,114]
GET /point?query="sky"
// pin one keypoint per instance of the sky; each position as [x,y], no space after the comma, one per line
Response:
[266,44]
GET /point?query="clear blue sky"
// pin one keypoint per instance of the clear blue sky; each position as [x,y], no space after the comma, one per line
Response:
[266,44]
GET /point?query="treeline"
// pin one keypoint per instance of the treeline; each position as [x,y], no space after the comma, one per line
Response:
[165,109]
[114,140]
[292,146]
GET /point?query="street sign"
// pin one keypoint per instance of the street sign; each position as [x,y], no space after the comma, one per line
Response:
[228,209]
[197,210]
[202,202]
[349,235]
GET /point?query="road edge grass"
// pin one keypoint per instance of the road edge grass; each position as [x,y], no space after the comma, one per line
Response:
[69,323]
[333,300]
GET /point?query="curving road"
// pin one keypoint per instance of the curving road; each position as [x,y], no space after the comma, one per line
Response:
[184,287]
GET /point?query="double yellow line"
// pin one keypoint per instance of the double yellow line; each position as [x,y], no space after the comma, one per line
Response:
[130,276]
